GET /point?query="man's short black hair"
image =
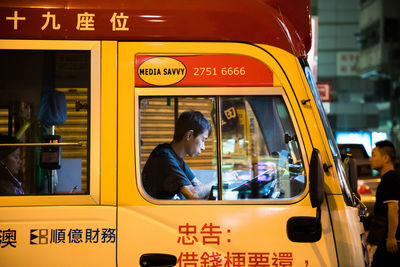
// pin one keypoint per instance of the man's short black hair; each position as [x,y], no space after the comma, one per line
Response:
[386,147]
[191,120]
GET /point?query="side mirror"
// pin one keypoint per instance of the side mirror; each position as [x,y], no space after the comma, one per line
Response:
[309,229]
[316,179]
[350,167]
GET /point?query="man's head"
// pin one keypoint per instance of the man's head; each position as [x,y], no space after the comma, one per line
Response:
[383,155]
[192,128]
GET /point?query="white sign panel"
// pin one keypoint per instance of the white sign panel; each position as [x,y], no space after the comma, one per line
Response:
[347,63]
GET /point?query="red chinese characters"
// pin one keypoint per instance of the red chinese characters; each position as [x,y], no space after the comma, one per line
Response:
[211,234]
[235,259]
[188,234]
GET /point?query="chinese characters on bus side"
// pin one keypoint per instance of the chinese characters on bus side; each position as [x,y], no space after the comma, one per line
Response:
[8,238]
[84,21]
[211,234]
[236,259]
[60,236]
[56,236]
[49,17]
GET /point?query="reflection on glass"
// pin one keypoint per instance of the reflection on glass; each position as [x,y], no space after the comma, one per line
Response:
[261,159]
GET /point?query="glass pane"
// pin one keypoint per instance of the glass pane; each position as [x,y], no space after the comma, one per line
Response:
[40,89]
[261,156]
[157,124]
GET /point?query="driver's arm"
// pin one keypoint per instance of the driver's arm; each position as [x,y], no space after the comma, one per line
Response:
[197,190]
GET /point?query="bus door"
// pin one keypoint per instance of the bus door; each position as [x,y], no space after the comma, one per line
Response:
[256,158]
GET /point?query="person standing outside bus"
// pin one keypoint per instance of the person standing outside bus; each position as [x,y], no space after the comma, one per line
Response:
[386,205]
[165,174]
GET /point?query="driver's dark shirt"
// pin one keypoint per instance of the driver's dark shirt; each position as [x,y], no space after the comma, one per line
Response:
[165,173]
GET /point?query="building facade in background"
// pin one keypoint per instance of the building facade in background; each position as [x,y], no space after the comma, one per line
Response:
[358,56]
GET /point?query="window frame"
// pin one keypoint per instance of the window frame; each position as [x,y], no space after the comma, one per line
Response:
[213,92]
[93,148]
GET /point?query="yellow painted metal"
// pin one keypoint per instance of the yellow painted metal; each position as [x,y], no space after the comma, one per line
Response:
[349,231]
[108,127]
[289,78]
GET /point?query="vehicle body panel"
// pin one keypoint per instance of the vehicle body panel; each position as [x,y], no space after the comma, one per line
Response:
[116,222]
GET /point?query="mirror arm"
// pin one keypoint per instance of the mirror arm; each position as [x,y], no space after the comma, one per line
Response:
[327,167]
[318,215]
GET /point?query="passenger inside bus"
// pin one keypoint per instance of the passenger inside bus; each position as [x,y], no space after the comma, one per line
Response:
[165,174]
[10,167]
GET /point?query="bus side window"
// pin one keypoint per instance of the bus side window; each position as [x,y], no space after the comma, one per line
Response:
[260,152]
[60,74]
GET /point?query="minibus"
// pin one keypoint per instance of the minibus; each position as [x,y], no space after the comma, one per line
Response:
[89,88]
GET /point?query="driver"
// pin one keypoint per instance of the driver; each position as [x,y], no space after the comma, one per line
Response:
[165,174]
